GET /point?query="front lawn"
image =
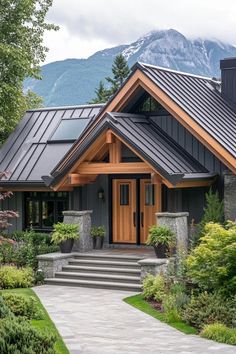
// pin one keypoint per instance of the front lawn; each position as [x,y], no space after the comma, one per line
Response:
[44,324]
[139,302]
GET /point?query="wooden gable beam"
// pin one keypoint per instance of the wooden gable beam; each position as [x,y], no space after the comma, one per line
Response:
[75,179]
[91,168]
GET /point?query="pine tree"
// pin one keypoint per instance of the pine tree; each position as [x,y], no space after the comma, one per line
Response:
[102,94]
[214,210]
[120,71]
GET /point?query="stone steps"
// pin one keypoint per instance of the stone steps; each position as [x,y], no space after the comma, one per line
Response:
[94,284]
[111,264]
[100,271]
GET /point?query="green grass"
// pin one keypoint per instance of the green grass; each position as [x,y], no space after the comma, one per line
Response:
[46,323]
[139,302]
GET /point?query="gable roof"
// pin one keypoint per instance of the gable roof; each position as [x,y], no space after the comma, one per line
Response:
[28,154]
[199,97]
[195,101]
[151,143]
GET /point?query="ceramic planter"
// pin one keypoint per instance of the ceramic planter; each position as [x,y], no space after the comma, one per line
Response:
[160,250]
[66,246]
[99,242]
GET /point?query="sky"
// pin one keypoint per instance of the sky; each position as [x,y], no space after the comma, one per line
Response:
[87,26]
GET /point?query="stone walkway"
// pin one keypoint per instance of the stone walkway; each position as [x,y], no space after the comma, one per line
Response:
[95,321]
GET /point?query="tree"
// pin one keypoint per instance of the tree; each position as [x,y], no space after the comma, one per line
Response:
[102,95]
[33,100]
[5,215]
[120,71]
[22,26]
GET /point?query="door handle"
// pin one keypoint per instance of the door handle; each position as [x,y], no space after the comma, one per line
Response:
[134,219]
[141,218]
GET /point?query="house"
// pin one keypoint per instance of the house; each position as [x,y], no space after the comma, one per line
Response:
[157,145]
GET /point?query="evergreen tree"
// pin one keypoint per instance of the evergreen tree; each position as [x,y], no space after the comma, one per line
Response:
[102,94]
[120,71]
[214,210]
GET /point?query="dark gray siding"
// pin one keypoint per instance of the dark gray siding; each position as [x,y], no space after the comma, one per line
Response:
[90,201]
[14,203]
[191,200]
[173,128]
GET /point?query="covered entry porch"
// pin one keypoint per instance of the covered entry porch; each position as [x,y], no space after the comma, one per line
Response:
[126,170]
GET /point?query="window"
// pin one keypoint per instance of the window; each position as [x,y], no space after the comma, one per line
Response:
[124,194]
[43,209]
[149,194]
[149,105]
[69,129]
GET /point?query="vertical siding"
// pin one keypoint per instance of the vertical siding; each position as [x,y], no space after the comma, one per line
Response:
[90,201]
[14,203]
[189,143]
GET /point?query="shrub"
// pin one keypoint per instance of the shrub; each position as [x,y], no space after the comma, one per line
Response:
[154,287]
[21,306]
[63,232]
[4,309]
[12,277]
[20,337]
[212,264]
[161,235]
[210,308]
[219,333]
[214,210]
[170,310]
[24,250]
[98,231]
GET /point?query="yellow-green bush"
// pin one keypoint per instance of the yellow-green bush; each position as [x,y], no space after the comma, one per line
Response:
[154,287]
[220,333]
[212,264]
[12,277]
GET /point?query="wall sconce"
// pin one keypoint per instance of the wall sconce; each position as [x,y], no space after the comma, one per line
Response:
[101,195]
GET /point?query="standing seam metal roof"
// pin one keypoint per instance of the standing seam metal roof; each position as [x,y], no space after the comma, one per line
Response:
[27,155]
[198,97]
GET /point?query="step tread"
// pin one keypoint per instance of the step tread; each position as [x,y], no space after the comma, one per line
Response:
[107,256]
[92,282]
[102,269]
[89,261]
[92,275]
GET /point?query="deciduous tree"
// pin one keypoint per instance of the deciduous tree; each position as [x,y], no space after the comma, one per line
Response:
[22,26]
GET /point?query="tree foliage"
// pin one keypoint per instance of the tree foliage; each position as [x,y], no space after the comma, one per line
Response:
[5,215]
[22,26]
[120,71]
[212,264]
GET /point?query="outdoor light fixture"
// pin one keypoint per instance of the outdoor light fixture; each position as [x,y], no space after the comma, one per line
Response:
[101,194]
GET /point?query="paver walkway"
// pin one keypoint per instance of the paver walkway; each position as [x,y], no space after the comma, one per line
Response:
[95,321]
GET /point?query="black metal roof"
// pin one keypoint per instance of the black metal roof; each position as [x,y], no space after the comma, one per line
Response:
[151,142]
[199,97]
[28,154]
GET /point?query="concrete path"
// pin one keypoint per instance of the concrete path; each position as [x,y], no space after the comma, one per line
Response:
[95,321]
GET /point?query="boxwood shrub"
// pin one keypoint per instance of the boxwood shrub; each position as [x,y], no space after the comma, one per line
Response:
[13,277]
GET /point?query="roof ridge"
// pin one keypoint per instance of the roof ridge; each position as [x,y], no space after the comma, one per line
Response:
[143,65]
[65,107]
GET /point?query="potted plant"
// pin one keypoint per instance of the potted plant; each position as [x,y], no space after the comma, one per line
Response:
[98,233]
[162,239]
[64,236]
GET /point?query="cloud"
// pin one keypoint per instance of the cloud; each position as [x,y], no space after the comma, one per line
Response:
[87,24]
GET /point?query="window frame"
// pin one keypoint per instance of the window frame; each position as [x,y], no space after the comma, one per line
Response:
[41,197]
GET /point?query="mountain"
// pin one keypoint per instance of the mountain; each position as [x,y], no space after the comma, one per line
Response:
[73,81]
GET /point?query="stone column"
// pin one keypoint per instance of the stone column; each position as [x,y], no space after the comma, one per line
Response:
[83,219]
[178,223]
[230,195]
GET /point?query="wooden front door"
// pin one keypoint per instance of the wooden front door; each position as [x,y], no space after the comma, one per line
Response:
[133,209]
[124,210]
[150,201]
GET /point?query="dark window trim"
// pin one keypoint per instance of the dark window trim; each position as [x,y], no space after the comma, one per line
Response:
[41,198]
